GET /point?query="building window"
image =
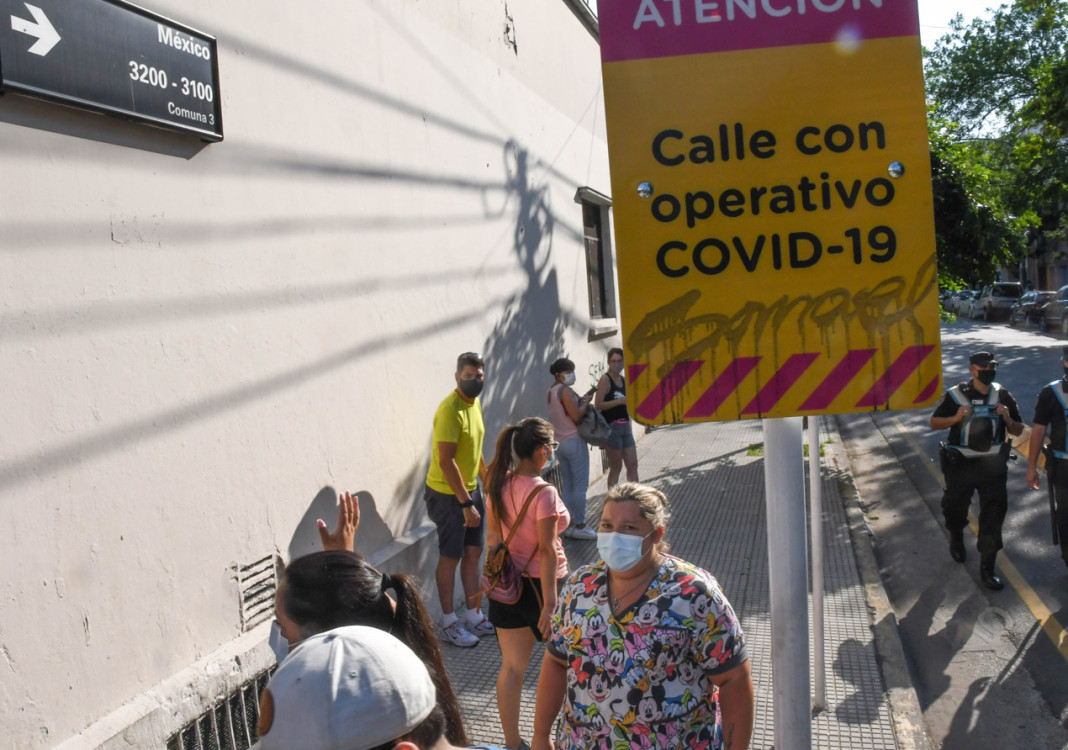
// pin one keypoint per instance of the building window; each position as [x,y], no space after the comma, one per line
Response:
[600,262]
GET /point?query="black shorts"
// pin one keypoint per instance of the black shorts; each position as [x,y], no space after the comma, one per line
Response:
[446,513]
[525,613]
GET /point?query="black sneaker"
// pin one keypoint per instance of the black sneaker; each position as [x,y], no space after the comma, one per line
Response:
[956,545]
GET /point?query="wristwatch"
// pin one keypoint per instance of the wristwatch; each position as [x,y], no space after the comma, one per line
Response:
[468,504]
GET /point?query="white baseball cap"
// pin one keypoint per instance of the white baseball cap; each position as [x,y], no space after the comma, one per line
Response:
[350,688]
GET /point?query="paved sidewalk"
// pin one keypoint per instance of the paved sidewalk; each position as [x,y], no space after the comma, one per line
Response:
[716,497]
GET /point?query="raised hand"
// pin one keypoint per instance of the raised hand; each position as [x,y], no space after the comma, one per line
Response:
[348,520]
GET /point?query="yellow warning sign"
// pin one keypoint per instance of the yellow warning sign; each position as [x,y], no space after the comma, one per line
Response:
[773,212]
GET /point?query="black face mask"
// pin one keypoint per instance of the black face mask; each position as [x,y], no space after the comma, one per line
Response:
[986,377]
[471,388]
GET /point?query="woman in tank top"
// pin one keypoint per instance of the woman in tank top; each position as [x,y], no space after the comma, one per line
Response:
[611,399]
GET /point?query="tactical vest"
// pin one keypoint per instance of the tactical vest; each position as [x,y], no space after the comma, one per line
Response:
[978,429]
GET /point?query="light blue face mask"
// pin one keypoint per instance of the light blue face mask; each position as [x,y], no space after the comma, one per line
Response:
[620,551]
[552,458]
[278,642]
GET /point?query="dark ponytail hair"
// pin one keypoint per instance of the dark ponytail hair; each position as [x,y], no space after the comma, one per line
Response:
[329,589]
[516,442]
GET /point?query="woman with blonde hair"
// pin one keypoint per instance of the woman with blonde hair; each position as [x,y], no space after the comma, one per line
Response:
[645,650]
[524,505]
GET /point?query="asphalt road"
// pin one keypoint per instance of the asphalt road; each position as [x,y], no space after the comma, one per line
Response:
[990,668]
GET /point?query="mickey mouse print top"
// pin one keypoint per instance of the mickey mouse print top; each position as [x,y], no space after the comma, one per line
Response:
[643,679]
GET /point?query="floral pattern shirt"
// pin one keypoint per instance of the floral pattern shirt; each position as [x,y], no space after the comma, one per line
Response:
[643,679]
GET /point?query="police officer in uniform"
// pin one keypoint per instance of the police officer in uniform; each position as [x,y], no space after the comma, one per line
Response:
[977,412]
[1051,414]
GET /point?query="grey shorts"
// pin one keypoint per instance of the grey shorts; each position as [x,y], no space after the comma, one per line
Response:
[446,513]
[620,435]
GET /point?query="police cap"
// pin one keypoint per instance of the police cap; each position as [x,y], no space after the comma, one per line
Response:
[984,359]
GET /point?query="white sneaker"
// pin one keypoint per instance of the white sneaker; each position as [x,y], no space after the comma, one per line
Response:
[458,636]
[481,628]
[585,533]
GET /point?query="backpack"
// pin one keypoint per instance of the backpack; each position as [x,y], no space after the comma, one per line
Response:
[593,427]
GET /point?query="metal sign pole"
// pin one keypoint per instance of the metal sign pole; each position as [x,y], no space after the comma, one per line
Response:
[815,493]
[784,479]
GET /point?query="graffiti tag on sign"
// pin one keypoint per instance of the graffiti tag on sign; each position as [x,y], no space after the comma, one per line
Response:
[774,221]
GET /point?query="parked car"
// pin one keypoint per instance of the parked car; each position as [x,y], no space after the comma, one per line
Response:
[1028,309]
[1055,313]
[952,303]
[965,304]
[996,299]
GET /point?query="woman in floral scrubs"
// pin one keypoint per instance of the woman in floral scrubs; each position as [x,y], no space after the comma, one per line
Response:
[645,651]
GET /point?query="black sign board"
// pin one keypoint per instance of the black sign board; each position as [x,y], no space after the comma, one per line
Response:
[115,58]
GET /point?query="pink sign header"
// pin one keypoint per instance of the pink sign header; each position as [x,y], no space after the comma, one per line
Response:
[639,29]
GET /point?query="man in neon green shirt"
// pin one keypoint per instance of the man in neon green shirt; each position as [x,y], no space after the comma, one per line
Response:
[454,501]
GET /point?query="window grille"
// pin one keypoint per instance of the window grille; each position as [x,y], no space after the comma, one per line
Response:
[230,724]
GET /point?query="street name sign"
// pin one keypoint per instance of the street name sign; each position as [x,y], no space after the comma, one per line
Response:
[773,212]
[112,57]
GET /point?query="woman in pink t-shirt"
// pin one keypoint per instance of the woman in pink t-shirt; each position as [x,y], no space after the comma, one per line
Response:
[523,451]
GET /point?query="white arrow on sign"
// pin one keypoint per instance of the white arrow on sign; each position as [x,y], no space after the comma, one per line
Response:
[40,27]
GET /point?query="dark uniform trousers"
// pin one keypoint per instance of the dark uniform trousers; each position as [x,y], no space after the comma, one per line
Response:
[1058,480]
[987,475]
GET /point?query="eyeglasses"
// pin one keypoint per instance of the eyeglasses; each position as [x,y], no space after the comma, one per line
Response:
[554,445]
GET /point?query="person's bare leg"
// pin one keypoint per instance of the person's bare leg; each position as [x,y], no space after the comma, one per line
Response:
[615,465]
[630,460]
[471,577]
[516,646]
[445,577]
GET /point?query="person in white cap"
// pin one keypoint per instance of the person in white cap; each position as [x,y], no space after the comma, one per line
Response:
[351,688]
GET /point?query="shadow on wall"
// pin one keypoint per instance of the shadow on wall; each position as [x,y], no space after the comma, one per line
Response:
[527,336]
[37,114]
[373,533]
[406,509]
[529,333]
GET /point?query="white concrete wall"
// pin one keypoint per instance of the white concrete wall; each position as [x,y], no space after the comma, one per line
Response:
[200,344]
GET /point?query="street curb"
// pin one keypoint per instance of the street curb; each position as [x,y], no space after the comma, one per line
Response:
[907,716]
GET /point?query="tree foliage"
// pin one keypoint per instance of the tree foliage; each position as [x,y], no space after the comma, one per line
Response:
[970,236]
[998,123]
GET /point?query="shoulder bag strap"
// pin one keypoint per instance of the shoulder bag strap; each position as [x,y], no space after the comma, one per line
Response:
[518,520]
[523,512]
